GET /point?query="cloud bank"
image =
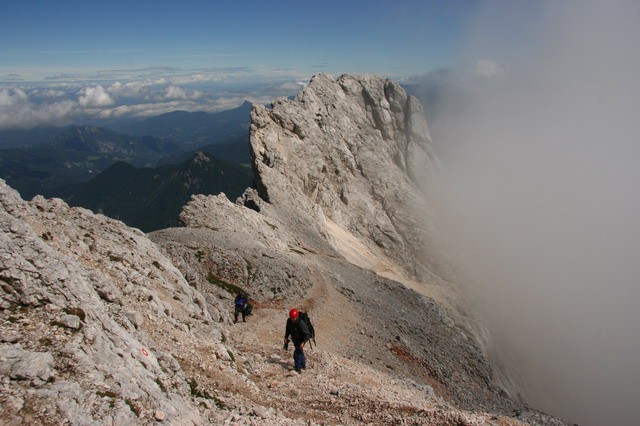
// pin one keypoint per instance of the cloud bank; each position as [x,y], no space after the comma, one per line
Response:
[17,109]
[64,102]
[95,97]
[543,204]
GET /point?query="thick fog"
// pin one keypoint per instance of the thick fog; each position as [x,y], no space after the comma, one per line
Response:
[541,151]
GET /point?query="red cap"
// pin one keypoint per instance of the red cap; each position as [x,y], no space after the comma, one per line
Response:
[293,314]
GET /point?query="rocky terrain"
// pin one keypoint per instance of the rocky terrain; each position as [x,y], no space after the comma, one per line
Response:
[102,324]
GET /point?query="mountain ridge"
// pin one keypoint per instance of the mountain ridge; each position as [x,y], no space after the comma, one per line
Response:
[34,161]
[191,129]
[104,324]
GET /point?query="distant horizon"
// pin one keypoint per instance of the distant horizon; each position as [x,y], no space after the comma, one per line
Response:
[71,60]
[120,41]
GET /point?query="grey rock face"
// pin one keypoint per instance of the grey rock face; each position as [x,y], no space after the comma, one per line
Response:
[70,280]
[228,242]
[355,151]
[24,365]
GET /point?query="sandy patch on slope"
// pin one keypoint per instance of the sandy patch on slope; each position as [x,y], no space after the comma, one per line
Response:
[360,255]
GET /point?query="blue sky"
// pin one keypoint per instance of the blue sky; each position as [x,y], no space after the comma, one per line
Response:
[63,61]
[44,38]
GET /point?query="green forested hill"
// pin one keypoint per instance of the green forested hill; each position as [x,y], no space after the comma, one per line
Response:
[151,198]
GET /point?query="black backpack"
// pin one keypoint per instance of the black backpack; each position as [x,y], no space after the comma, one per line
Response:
[305,317]
[247,309]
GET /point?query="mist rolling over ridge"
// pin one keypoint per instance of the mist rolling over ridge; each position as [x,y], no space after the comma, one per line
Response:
[534,109]
[542,204]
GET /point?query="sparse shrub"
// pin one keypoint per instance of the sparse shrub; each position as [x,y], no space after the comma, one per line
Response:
[230,288]
[195,392]
[133,406]
[108,394]
[45,341]
[221,405]
[193,385]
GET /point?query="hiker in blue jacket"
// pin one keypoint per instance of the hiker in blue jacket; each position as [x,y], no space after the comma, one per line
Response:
[240,307]
[300,334]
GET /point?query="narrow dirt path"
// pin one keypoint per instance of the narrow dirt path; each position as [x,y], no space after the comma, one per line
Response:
[328,309]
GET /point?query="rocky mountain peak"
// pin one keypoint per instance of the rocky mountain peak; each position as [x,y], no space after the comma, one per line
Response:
[355,153]
[103,324]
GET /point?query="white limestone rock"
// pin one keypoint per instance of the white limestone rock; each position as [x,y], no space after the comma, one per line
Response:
[356,151]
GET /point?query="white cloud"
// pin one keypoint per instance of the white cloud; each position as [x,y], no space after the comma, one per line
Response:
[16,110]
[95,97]
[12,96]
[488,68]
[294,86]
[126,89]
[47,94]
[149,109]
[175,92]
[196,78]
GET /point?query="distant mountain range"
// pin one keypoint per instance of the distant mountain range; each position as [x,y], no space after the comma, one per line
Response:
[191,130]
[38,160]
[20,138]
[77,154]
[151,198]
[140,171]
[236,150]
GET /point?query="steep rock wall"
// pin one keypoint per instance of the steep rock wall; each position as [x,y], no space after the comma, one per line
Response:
[355,151]
[94,319]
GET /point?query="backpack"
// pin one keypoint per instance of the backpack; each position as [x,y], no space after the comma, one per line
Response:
[305,317]
[247,309]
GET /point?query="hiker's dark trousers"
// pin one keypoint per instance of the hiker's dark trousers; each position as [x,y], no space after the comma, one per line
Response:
[238,310]
[298,357]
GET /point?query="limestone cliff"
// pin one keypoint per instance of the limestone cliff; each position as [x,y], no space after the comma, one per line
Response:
[354,152]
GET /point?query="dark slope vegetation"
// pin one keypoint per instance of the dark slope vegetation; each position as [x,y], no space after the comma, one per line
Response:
[192,129]
[235,150]
[21,138]
[76,155]
[151,198]
[34,161]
